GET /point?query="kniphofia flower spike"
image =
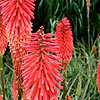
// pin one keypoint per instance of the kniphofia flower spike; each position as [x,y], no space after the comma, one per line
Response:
[40,67]
[17,15]
[64,40]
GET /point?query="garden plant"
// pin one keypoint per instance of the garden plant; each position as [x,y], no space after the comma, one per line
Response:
[50,49]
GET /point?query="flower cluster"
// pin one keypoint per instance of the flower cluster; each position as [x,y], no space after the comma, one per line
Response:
[65,40]
[16,16]
[40,67]
[35,56]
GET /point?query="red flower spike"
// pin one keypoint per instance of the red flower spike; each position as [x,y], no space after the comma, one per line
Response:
[98,76]
[40,67]
[65,40]
[17,15]
[3,37]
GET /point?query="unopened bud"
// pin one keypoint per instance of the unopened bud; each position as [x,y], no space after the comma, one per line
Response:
[78,89]
[68,98]
[94,51]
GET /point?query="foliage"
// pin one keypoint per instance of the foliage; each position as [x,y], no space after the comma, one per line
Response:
[49,11]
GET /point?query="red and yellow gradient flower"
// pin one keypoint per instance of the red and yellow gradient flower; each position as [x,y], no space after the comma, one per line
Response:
[98,76]
[3,37]
[40,67]
[65,41]
[17,15]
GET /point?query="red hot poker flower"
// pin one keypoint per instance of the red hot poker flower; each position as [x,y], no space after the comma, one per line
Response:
[17,15]
[98,76]
[40,67]
[65,40]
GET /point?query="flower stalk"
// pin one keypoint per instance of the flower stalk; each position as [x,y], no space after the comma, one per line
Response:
[65,42]
[65,80]
[64,87]
[2,76]
[88,21]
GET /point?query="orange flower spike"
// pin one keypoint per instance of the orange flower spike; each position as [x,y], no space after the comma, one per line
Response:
[40,67]
[3,37]
[65,41]
[98,76]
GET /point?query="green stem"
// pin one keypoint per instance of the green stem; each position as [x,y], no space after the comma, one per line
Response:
[64,86]
[2,77]
[65,79]
[88,20]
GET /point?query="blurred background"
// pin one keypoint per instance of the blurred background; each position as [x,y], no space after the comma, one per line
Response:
[47,13]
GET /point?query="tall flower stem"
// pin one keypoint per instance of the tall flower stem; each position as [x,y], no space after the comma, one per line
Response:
[65,80]
[2,77]
[64,86]
[88,21]
[88,29]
